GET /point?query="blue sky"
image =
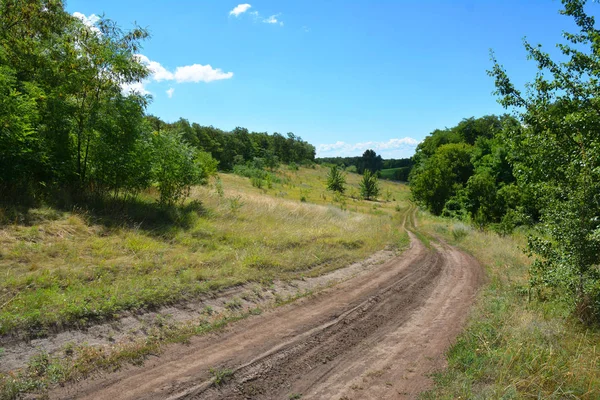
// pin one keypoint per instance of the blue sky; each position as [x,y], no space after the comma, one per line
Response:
[343,75]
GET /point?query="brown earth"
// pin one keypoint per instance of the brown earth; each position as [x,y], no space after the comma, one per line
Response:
[378,335]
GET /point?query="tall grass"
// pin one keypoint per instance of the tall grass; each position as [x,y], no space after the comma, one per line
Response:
[516,346]
[73,268]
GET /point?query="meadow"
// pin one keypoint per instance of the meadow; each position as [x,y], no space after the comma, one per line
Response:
[64,269]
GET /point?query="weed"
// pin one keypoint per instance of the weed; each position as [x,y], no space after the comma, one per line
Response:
[234,304]
[235,203]
[256,182]
[295,396]
[460,231]
[221,375]
[514,347]
[219,187]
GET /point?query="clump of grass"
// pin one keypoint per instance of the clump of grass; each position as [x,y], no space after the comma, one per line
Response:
[460,231]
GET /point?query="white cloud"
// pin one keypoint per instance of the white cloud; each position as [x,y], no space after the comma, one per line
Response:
[90,21]
[134,87]
[393,147]
[170,92]
[200,73]
[159,73]
[188,73]
[240,9]
[273,20]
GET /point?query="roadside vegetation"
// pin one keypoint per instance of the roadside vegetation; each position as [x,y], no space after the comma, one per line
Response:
[523,198]
[518,343]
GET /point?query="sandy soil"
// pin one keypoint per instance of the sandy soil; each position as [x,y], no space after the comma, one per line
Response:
[378,335]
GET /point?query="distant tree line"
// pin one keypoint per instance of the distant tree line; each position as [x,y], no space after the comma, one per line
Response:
[370,161]
[239,145]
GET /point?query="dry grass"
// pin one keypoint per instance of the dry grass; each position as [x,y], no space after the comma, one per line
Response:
[69,269]
[514,347]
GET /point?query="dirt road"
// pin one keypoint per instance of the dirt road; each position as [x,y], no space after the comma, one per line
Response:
[376,336]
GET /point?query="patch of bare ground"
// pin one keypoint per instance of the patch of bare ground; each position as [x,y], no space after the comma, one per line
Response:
[377,335]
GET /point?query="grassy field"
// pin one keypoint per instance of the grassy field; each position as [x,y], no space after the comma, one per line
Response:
[391,173]
[69,269]
[63,269]
[514,347]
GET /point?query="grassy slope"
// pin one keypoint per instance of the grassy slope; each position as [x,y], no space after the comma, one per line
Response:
[65,269]
[69,268]
[513,347]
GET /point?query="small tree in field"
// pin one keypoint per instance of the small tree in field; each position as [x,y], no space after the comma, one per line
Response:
[369,186]
[336,180]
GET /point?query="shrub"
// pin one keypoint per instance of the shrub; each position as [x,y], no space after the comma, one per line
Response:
[177,166]
[336,180]
[369,185]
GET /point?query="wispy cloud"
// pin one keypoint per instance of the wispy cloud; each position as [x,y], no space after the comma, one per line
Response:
[188,73]
[240,9]
[273,20]
[394,147]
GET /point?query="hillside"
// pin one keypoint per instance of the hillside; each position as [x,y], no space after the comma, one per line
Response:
[72,270]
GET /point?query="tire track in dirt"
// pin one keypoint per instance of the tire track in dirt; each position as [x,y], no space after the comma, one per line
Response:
[375,336]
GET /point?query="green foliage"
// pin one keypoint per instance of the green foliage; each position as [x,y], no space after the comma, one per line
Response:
[369,185]
[69,129]
[221,375]
[464,173]
[369,161]
[177,167]
[557,157]
[442,175]
[335,180]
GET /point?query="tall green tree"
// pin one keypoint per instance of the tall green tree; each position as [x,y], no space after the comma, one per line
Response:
[442,176]
[557,156]
[371,161]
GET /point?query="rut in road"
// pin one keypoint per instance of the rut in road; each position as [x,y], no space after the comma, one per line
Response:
[376,336]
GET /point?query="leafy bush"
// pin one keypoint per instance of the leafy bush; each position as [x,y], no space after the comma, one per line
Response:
[177,166]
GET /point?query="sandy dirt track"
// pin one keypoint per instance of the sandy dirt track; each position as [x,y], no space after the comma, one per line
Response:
[376,336]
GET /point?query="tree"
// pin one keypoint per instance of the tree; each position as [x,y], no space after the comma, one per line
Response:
[371,161]
[442,176]
[336,180]
[557,156]
[369,185]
